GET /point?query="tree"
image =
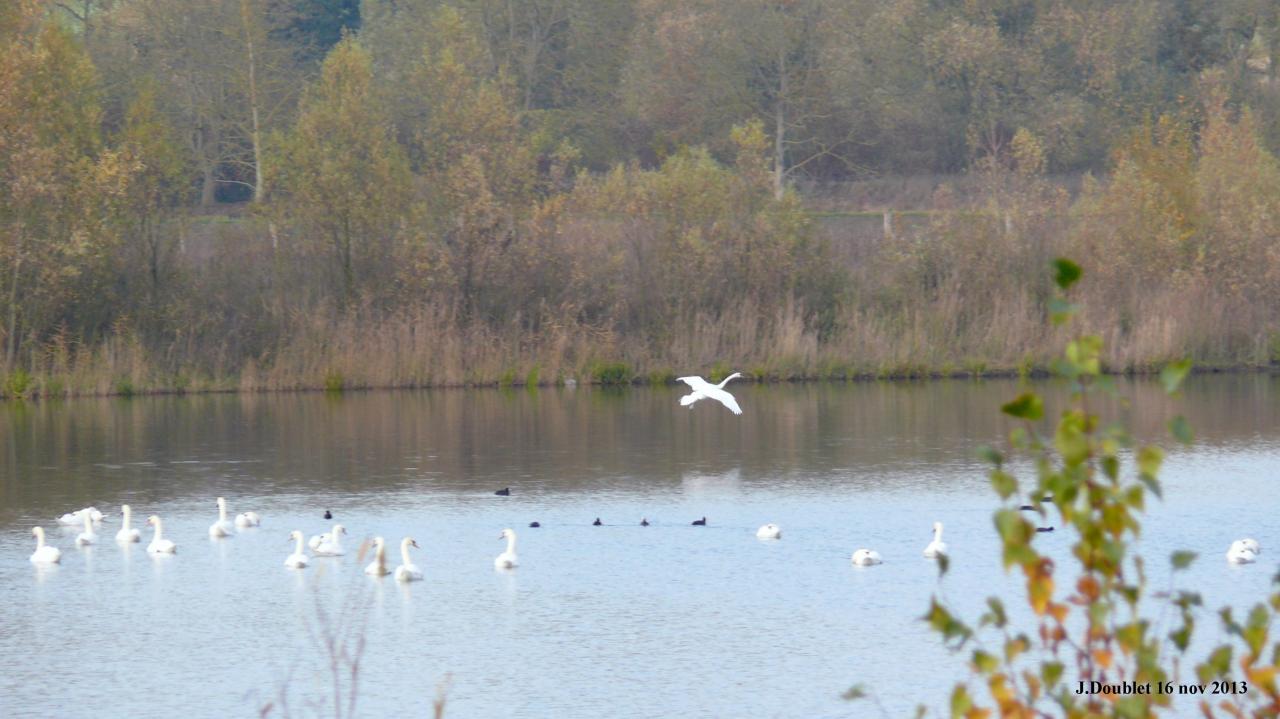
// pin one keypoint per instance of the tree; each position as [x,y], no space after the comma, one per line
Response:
[344,182]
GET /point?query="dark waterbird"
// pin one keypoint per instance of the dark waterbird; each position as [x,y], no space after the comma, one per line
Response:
[1044,529]
[328,514]
[700,522]
[534,525]
[597,523]
[504,492]
[644,522]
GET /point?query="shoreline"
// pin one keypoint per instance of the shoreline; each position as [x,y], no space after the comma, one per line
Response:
[913,375]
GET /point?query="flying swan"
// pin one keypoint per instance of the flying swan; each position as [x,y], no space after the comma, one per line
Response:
[703,389]
[507,559]
[44,553]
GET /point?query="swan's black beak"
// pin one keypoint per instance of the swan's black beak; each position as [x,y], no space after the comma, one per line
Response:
[415,544]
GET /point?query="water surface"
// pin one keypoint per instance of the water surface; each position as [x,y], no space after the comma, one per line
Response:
[617,620]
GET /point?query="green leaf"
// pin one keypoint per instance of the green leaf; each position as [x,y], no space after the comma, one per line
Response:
[990,455]
[1181,430]
[1026,406]
[1066,272]
[1004,483]
[1051,672]
[1173,374]
[944,563]
[986,663]
[1182,559]
[1060,311]
[960,701]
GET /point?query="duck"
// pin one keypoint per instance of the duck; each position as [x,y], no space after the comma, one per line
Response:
[248,519]
[88,536]
[700,522]
[127,534]
[504,492]
[866,557]
[1044,529]
[937,546]
[328,545]
[297,560]
[328,514]
[769,531]
[597,523]
[644,522]
[1239,553]
[44,554]
[508,559]
[378,567]
[407,571]
[160,545]
[534,525]
[222,527]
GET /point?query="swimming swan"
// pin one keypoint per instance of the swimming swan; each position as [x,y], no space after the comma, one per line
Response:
[127,534]
[221,528]
[297,560]
[378,567]
[1249,544]
[248,519]
[703,389]
[507,559]
[72,519]
[1239,553]
[937,546]
[769,531]
[44,553]
[866,558]
[88,536]
[329,545]
[160,545]
[407,571]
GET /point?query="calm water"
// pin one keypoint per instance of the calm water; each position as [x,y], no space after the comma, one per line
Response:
[617,620]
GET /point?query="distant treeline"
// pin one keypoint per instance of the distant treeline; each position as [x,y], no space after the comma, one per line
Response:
[310,193]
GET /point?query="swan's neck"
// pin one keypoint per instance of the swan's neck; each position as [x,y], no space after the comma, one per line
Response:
[159,532]
[937,533]
[511,544]
[380,554]
[222,511]
[335,533]
[88,524]
[404,552]
[125,514]
[39,538]
[297,547]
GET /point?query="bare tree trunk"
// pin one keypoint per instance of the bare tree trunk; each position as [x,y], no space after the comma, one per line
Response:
[780,128]
[255,134]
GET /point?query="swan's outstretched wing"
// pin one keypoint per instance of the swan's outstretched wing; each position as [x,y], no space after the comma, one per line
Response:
[723,398]
[697,383]
[689,399]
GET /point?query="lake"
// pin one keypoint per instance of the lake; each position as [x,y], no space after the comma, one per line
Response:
[616,620]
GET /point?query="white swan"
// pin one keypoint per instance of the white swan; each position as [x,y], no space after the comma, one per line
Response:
[507,559]
[378,566]
[248,519]
[88,536]
[703,389]
[221,528]
[769,531]
[407,571]
[866,557]
[297,560]
[72,519]
[329,545]
[44,553]
[1249,544]
[937,546]
[1240,553]
[160,545]
[127,534]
